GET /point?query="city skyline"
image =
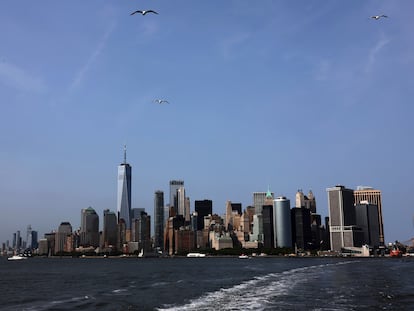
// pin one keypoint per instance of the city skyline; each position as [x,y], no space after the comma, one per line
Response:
[286,95]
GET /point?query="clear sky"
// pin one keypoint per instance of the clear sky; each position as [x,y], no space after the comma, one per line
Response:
[291,94]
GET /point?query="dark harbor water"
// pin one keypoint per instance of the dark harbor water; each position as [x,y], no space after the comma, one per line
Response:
[207,284]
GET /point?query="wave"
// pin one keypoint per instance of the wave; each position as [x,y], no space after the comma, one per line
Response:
[256,294]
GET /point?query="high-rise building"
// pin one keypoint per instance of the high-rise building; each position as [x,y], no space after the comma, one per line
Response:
[342,221]
[159,219]
[310,202]
[259,199]
[124,192]
[89,231]
[373,196]
[268,228]
[203,208]
[183,204]
[63,238]
[29,237]
[367,220]
[110,230]
[300,198]
[282,223]
[174,186]
[301,227]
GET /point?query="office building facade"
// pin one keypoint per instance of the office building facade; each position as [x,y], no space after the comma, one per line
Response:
[89,231]
[282,222]
[372,196]
[159,219]
[343,230]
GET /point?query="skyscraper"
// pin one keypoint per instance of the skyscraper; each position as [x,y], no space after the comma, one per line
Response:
[109,229]
[259,199]
[174,186]
[63,238]
[124,192]
[203,208]
[373,196]
[367,220]
[89,231]
[282,224]
[159,219]
[342,220]
[301,227]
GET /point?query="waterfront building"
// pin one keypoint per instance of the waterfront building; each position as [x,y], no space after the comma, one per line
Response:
[301,227]
[159,219]
[367,219]
[282,222]
[343,231]
[63,238]
[203,208]
[29,237]
[174,186]
[89,231]
[51,238]
[268,228]
[141,231]
[124,192]
[109,232]
[43,249]
[373,196]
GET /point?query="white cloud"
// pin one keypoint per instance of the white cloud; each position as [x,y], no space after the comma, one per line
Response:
[373,53]
[80,75]
[18,78]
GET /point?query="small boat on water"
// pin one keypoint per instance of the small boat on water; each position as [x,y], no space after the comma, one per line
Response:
[16,257]
[195,255]
[243,256]
[396,252]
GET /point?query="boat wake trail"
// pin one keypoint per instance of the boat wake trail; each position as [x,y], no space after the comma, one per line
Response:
[259,293]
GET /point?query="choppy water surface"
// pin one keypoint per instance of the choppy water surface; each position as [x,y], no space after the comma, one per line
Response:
[207,284]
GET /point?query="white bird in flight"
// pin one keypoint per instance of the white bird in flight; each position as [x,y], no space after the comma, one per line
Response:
[376,17]
[161,101]
[144,12]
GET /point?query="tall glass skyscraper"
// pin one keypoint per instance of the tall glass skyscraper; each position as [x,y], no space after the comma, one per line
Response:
[124,192]
[159,219]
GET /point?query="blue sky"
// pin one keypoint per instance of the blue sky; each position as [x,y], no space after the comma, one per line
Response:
[292,94]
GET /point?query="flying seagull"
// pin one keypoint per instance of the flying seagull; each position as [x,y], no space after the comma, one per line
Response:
[161,101]
[378,16]
[144,12]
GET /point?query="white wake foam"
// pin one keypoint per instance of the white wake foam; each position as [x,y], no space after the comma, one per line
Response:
[254,294]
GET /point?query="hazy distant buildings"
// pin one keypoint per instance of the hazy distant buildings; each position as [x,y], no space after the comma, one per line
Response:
[124,192]
[89,231]
[159,219]
[282,222]
[372,196]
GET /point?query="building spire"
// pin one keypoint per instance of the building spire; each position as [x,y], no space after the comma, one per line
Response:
[125,154]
